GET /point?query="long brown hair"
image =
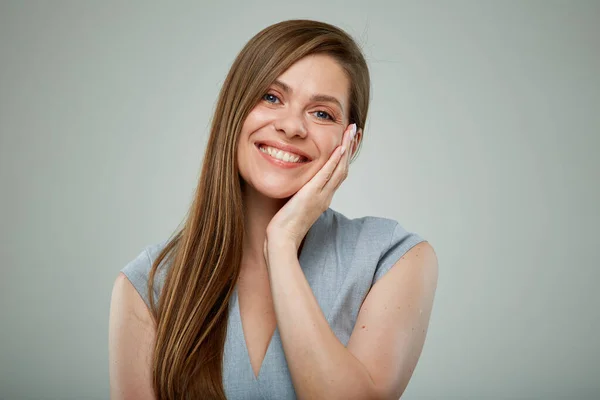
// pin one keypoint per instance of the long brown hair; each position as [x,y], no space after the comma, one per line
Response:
[204,255]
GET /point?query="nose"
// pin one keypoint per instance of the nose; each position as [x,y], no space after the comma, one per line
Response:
[291,123]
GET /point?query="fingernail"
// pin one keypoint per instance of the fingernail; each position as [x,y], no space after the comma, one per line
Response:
[352,131]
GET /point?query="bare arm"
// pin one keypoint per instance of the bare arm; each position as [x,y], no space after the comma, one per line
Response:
[387,339]
[130,343]
[320,366]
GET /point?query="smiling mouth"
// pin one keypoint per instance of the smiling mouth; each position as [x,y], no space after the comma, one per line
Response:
[282,155]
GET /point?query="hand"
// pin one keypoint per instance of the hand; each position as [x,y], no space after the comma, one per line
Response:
[294,219]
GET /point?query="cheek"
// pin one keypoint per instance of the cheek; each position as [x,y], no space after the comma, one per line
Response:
[328,142]
[335,142]
[253,122]
[258,117]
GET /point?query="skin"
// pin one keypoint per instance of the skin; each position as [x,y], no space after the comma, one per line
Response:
[391,326]
[291,117]
[288,114]
[281,205]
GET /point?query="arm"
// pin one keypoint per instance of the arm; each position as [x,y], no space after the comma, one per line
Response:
[131,341]
[387,339]
[391,327]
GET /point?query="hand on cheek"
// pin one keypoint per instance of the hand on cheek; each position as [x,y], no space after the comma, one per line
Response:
[292,222]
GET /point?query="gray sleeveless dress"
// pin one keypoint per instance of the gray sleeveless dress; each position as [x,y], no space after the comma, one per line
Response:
[341,259]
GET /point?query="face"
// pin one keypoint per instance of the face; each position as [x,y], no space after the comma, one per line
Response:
[295,127]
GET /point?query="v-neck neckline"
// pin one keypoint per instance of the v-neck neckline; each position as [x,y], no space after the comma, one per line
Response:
[247,362]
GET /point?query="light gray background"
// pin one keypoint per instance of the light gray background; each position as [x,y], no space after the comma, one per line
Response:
[483,137]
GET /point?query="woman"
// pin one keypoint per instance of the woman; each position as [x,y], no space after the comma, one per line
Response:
[266,292]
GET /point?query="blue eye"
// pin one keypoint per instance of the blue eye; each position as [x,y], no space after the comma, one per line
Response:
[323,115]
[270,98]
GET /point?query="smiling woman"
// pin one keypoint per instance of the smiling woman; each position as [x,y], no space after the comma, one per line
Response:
[266,292]
[302,116]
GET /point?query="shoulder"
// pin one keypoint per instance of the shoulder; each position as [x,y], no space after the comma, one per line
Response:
[131,339]
[373,229]
[137,271]
[379,240]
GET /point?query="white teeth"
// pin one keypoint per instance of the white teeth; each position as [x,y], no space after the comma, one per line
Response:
[279,154]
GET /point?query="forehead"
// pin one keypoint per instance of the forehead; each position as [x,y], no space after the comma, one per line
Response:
[317,74]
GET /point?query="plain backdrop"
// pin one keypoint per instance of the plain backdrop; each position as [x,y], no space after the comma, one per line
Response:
[483,137]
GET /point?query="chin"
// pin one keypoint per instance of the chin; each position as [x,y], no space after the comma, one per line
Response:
[274,187]
[277,191]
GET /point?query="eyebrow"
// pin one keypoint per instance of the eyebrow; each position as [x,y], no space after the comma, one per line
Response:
[314,97]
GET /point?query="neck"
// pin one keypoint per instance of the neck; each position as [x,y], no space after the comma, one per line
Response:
[258,212]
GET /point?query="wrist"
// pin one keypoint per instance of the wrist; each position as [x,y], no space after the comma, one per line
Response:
[281,245]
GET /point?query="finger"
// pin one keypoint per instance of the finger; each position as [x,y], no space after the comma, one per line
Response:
[339,175]
[325,174]
[347,143]
[347,133]
[341,171]
[350,150]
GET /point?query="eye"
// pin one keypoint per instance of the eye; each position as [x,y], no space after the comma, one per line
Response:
[323,115]
[270,98]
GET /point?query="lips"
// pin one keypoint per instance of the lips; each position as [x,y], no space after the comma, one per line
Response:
[285,147]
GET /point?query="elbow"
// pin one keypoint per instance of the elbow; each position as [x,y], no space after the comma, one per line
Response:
[379,391]
[365,390]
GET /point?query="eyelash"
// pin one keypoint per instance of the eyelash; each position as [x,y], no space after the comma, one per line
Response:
[328,115]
